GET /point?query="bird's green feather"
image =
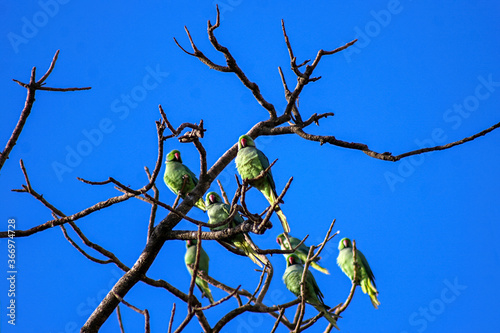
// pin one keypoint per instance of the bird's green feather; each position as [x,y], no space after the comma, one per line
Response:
[250,162]
[217,213]
[175,173]
[366,277]
[190,259]
[302,251]
[312,294]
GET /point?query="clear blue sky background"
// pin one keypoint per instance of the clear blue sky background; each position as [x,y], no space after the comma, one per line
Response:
[428,225]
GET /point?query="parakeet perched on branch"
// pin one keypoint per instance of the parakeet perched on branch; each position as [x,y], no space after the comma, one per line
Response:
[179,178]
[313,296]
[250,162]
[301,252]
[190,259]
[365,274]
[218,212]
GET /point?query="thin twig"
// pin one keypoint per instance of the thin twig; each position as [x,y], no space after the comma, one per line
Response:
[303,279]
[119,315]
[224,195]
[222,286]
[290,52]
[276,251]
[184,323]
[261,280]
[165,120]
[222,300]
[270,272]
[325,240]
[273,206]
[277,322]
[100,205]
[144,312]
[195,271]
[154,205]
[231,65]
[170,323]
[88,256]
[32,87]
[149,199]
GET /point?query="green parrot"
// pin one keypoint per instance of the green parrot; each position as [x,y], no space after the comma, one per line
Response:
[218,212]
[313,296]
[174,175]
[366,278]
[301,252]
[190,258]
[250,162]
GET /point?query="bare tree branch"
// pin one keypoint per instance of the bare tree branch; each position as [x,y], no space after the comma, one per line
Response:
[102,204]
[164,230]
[99,261]
[386,156]
[32,87]
[171,319]
[119,316]
[277,322]
[224,195]
[144,312]
[195,270]
[302,306]
[222,300]
[232,66]
[154,206]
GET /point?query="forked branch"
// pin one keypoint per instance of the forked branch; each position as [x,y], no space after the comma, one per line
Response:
[32,87]
[231,65]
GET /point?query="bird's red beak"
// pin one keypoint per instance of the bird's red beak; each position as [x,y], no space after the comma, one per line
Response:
[243,142]
[278,240]
[212,198]
[346,243]
[177,157]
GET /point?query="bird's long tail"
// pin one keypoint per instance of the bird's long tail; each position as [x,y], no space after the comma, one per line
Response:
[282,218]
[205,290]
[368,288]
[319,268]
[201,205]
[249,251]
[271,197]
[327,315]
[313,264]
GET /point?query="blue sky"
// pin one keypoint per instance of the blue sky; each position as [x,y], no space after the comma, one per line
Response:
[422,73]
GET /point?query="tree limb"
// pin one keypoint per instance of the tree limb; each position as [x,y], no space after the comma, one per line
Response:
[32,87]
